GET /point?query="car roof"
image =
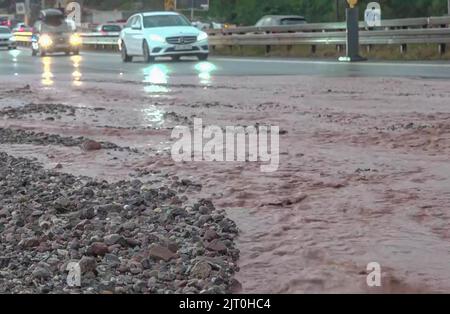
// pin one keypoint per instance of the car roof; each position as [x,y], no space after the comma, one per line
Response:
[159,13]
[284,16]
[4,27]
[51,12]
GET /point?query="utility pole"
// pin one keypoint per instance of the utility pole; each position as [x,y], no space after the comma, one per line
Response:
[448,5]
[27,12]
[169,5]
[192,10]
[337,11]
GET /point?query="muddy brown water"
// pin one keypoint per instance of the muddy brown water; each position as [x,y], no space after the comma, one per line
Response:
[364,173]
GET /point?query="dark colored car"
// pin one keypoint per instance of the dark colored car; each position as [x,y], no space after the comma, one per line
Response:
[53,33]
[280,20]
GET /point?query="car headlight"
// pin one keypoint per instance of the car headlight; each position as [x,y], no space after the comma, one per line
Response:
[157,38]
[45,41]
[202,36]
[12,39]
[75,40]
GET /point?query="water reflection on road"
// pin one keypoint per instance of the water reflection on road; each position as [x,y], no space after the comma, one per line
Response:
[157,76]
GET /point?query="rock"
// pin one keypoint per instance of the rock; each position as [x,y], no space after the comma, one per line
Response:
[132,242]
[87,213]
[4,213]
[112,260]
[109,208]
[87,264]
[201,270]
[135,267]
[210,235]
[87,192]
[62,205]
[29,243]
[204,219]
[113,239]
[91,145]
[216,246]
[139,286]
[42,272]
[159,252]
[204,210]
[97,249]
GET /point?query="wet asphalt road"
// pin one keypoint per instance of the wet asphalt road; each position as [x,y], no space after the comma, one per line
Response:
[108,65]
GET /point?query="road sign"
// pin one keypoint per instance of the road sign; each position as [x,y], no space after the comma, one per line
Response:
[73,11]
[21,8]
[372,15]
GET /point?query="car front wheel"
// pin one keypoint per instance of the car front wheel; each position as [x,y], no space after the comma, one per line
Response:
[146,51]
[124,54]
[203,57]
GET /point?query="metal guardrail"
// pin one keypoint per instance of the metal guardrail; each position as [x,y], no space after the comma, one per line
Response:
[426,30]
[369,37]
[421,22]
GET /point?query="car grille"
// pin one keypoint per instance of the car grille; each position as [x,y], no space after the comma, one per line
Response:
[3,39]
[173,49]
[60,40]
[181,40]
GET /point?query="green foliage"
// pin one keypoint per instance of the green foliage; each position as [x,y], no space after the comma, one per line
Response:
[247,12]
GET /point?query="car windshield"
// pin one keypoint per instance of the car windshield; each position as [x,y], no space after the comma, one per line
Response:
[4,30]
[165,21]
[292,21]
[111,28]
[54,20]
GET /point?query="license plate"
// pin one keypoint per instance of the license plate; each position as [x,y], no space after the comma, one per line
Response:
[183,47]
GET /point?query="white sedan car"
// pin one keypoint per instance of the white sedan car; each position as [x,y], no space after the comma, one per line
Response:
[161,34]
[7,38]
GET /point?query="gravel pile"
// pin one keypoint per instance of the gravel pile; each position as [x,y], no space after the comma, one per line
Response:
[54,110]
[17,136]
[51,109]
[127,237]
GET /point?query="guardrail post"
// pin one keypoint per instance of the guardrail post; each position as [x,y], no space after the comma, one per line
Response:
[313,49]
[442,49]
[352,15]
[289,49]
[403,48]
[268,49]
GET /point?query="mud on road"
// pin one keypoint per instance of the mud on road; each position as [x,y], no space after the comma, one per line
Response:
[364,171]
